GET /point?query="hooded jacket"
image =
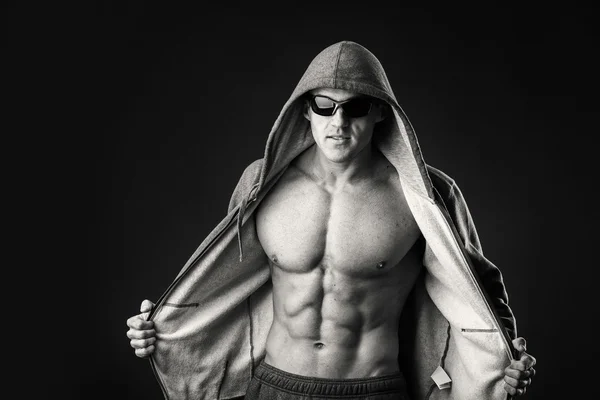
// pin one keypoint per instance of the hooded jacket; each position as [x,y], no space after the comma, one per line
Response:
[212,321]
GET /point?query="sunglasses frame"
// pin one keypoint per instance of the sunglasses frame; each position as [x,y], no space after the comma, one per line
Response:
[338,104]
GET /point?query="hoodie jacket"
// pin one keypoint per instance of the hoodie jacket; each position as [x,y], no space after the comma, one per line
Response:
[212,321]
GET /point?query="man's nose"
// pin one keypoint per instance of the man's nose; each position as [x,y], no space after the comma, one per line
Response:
[339,118]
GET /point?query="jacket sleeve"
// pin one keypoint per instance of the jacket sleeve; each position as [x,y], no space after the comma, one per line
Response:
[489,274]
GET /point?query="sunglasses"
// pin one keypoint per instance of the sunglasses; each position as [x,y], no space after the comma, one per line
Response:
[354,108]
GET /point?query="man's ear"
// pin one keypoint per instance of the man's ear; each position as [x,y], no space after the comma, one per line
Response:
[382,112]
[305,110]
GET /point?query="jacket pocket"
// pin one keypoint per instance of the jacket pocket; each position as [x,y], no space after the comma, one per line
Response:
[181,305]
[478,330]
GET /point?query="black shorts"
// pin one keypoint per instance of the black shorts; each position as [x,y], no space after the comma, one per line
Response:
[270,383]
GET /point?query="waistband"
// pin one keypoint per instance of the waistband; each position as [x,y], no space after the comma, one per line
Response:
[306,385]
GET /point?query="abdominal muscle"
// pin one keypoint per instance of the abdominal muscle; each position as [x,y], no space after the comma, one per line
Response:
[330,325]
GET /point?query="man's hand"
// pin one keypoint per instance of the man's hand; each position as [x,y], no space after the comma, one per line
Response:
[520,371]
[141,332]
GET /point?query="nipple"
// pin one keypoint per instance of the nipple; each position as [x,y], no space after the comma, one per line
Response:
[381,264]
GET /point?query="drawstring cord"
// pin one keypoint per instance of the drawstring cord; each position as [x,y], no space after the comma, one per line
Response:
[240,219]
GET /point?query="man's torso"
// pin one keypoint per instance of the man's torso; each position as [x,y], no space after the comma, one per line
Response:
[342,267]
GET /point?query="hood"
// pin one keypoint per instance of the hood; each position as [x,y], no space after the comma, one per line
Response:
[349,66]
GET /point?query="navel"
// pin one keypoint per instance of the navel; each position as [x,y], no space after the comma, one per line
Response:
[319,345]
[274,258]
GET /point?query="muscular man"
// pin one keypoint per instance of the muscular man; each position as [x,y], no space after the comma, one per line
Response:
[336,239]
[337,231]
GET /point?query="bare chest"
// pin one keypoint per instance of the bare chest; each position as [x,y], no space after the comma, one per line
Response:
[360,232]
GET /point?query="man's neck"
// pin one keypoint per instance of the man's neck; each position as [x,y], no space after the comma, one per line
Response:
[335,175]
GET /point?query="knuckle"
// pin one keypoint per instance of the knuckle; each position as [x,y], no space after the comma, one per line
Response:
[135,323]
[509,381]
[533,360]
[145,334]
[133,334]
[144,352]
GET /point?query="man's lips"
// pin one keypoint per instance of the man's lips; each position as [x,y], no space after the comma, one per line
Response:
[338,137]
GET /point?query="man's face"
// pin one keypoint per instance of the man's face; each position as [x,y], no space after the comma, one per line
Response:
[341,138]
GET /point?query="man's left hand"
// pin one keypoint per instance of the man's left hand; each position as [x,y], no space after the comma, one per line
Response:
[520,371]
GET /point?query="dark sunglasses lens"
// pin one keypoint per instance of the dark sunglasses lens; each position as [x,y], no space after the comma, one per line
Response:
[356,108]
[322,105]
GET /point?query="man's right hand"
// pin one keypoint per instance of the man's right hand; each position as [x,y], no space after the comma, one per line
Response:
[141,332]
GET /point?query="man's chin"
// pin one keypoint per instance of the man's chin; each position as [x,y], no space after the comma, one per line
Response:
[339,156]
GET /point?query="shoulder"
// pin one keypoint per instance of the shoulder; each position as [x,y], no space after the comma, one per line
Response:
[253,169]
[249,178]
[441,181]
[251,174]
[439,177]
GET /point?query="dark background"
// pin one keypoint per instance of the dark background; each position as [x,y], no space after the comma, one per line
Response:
[135,120]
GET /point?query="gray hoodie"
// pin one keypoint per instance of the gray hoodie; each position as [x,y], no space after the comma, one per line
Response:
[212,321]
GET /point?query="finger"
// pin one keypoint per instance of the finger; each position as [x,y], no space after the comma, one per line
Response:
[137,334]
[516,374]
[511,381]
[146,306]
[135,319]
[139,323]
[520,344]
[524,363]
[143,353]
[516,383]
[531,372]
[528,361]
[142,343]
[510,390]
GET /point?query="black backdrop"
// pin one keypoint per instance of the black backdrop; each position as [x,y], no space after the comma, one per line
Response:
[153,111]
